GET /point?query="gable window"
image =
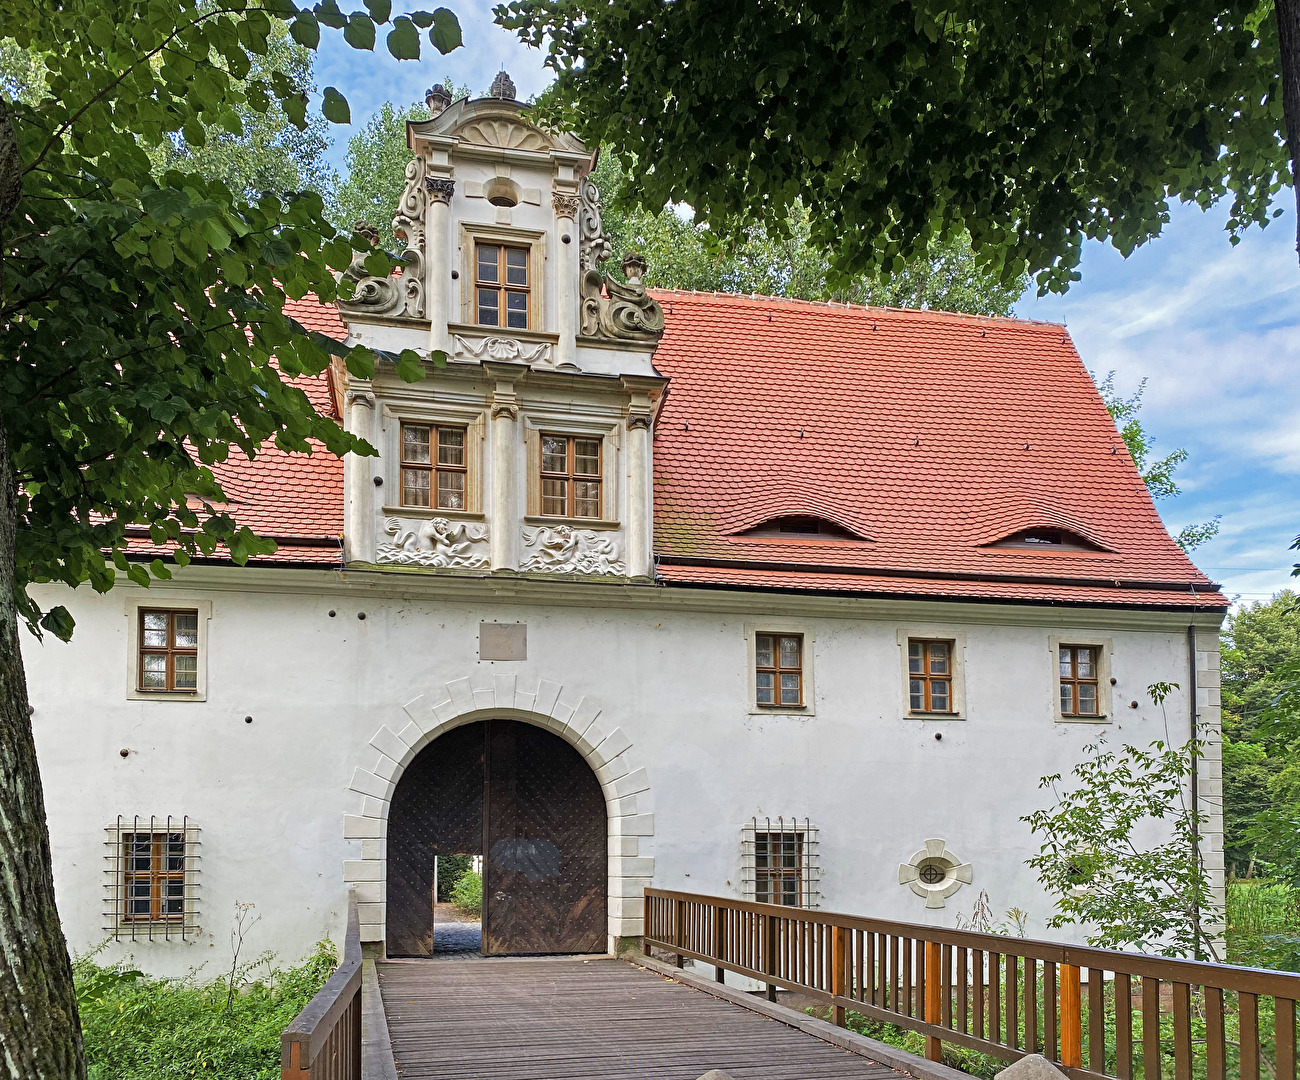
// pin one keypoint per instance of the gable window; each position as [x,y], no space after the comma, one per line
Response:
[1079,667]
[169,651]
[502,282]
[571,476]
[929,668]
[779,861]
[433,466]
[152,882]
[778,675]
[800,528]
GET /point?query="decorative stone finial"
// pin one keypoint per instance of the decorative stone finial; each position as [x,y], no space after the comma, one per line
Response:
[634,268]
[437,97]
[502,87]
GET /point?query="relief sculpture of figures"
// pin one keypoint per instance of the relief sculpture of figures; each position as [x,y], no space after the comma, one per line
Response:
[436,542]
[613,310]
[563,549]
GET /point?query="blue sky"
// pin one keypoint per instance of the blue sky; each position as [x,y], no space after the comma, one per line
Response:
[1215,330]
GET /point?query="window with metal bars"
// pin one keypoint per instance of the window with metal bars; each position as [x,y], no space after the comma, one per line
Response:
[778,671]
[501,285]
[169,651]
[571,476]
[929,669]
[1079,680]
[780,863]
[152,886]
[434,469]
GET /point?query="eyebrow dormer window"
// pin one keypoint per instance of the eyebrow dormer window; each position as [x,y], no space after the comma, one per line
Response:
[800,527]
[1047,539]
[502,282]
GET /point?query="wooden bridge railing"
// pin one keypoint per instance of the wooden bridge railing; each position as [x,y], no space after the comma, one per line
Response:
[1096,1013]
[324,1040]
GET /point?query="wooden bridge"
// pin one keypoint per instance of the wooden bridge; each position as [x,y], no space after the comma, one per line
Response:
[1098,1015]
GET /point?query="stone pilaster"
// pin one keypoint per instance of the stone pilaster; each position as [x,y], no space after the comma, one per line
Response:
[438,282]
[567,206]
[358,480]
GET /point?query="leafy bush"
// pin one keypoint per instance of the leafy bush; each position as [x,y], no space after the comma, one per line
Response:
[1264,925]
[958,1057]
[137,1028]
[467,894]
[451,867]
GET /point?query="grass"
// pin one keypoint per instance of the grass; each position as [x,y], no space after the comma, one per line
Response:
[138,1028]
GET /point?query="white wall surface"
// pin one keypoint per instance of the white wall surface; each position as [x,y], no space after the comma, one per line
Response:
[668,667]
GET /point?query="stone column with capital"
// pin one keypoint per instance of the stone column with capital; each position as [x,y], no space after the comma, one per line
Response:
[358,481]
[437,286]
[639,503]
[567,205]
[504,528]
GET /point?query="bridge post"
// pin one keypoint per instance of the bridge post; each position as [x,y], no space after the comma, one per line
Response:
[933,998]
[769,953]
[839,980]
[680,932]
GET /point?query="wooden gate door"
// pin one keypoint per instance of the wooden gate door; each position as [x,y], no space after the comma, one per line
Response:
[437,809]
[545,858]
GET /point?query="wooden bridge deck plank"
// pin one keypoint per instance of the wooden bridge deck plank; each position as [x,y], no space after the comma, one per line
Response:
[576,1020]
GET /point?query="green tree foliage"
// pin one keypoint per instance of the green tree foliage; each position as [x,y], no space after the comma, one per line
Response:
[467,893]
[376,160]
[1157,474]
[143,321]
[1097,859]
[268,152]
[1261,739]
[1027,127]
[685,254]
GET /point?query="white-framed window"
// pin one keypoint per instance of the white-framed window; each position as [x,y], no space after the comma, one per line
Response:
[435,461]
[934,673]
[167,648]
[151,890]
[780,861]
[1081,678]
[779,668]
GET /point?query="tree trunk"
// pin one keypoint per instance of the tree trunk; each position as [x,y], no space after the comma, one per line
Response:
[40,1032]
[1288,35]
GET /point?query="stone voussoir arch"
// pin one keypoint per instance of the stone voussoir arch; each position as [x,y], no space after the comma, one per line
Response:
[629,802]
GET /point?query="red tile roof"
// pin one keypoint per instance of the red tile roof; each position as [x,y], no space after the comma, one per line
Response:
[928,434]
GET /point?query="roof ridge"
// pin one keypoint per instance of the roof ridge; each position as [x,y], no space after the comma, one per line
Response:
[844,305]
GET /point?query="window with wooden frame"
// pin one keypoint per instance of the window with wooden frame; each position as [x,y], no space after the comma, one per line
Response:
[152,882]
[502,285]
[778,674]
[778,868]
[929,669]
[434,467]
[779,861]
[1080,676]
[169,651]
[571,476]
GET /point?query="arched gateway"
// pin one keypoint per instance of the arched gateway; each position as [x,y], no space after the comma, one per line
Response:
[527,801]
[610,765]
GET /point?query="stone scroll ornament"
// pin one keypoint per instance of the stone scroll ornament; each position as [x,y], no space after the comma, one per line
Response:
[562,549]
[437,542]
[397,297]
[611,309]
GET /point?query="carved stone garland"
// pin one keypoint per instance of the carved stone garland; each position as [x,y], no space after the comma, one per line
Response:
[437,542]
[402,296]
[562,549]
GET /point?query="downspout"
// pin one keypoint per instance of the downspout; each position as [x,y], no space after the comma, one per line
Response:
[1196,816]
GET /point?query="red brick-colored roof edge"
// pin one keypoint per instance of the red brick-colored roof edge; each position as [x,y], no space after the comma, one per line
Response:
[928,435]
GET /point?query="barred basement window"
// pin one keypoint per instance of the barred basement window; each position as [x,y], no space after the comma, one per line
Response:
[152,879]
[779,862]
[169,651]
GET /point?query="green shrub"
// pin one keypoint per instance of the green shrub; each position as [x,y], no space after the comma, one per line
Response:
[467,894]
[450,870]
[1264,925]
[957,1057]
[137,1028]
